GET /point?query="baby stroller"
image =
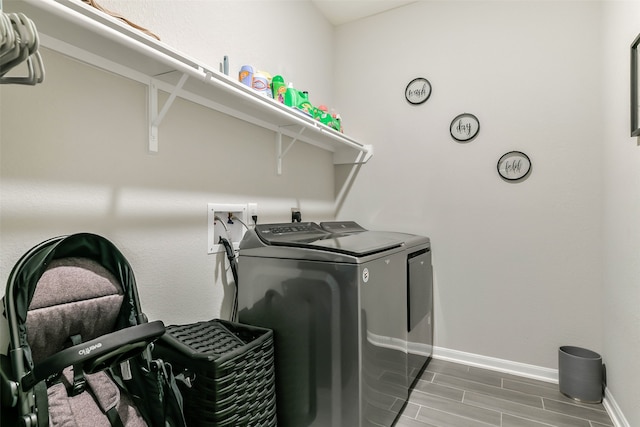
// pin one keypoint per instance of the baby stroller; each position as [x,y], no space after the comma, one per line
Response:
[79,352]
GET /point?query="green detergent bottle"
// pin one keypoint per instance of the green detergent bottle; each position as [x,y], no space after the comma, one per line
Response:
[279,88]
[291,96]
[304,104]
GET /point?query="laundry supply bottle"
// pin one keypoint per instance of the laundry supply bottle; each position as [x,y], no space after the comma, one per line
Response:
[304,104]
[278,88]
[323,115]
[337,120]
[260,83]
[246,75]
[291,96]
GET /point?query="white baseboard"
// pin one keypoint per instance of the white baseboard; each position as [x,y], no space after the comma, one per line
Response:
[527,371]
[614,410]
[495,364]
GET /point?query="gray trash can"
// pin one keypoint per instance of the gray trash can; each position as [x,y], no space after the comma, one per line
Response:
[581,374]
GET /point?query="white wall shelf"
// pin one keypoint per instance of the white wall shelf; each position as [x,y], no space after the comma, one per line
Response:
[79,31]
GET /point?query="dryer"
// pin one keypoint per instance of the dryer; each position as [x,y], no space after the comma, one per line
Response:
[337,303]
[419,285]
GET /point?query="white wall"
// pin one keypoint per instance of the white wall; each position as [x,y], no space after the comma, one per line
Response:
[74,158]
[520,268]
[517,266]
[621,155]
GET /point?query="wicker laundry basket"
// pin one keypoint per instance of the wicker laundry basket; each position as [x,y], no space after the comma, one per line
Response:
[234,382]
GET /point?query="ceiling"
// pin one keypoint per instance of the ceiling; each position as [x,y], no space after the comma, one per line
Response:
[342,11]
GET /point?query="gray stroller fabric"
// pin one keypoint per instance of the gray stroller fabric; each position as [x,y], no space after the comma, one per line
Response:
[90,408]
[74,296]
[78,296]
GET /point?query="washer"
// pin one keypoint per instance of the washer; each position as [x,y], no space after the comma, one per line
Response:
[337,303]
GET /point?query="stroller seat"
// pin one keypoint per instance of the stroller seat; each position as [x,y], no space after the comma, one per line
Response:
[77,331]
[90,408]
[74,296]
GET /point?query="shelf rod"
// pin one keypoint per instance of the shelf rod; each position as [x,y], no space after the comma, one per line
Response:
[282,153]
[156,118]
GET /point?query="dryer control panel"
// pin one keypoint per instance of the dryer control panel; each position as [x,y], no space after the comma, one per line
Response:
[342,227]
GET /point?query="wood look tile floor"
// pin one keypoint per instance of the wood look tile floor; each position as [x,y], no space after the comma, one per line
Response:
[454,395]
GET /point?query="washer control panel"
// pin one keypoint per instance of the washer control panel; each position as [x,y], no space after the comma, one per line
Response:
[291,232]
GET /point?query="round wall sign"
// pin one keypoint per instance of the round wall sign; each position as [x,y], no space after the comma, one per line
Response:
[418,91]
[514,166]
[464,127]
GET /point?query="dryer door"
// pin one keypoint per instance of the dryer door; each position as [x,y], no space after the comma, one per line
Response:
[420,310]
[383,337]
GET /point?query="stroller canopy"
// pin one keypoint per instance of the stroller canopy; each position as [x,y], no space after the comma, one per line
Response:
[24,277]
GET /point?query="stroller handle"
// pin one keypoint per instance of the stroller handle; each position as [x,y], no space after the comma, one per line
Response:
[97,354]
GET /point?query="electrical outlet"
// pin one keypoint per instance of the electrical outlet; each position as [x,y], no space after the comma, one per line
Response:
[252,211]
[225,220]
